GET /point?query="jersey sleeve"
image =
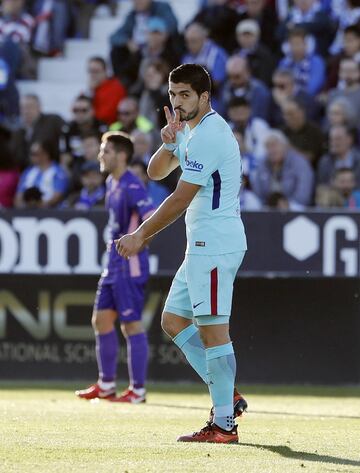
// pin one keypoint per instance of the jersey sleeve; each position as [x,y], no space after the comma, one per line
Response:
[202,159]
[140,200]
[61,182]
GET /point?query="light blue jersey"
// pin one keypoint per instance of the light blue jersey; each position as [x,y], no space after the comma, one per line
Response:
[209,156]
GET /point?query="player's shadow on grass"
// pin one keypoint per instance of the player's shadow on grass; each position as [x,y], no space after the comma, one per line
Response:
[270,413]
[287,452]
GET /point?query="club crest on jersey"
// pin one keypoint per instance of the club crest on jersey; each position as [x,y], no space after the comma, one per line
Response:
[193,166]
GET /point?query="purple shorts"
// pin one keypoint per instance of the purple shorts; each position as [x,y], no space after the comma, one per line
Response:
[124,295]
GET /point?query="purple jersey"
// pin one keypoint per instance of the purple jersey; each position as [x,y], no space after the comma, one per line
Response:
[128,204]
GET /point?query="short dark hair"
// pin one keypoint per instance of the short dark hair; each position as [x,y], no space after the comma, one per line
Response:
[195,75]
[297,32]
[353,29]
[48,146]
[139,162]
[91,134]
[32,194]
[121,142]
[99,60]
[274,198]
[238,102]
[84,98]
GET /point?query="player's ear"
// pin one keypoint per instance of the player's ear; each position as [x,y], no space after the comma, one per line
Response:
[204,97]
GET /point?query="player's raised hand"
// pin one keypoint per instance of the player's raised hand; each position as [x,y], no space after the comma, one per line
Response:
[168,133]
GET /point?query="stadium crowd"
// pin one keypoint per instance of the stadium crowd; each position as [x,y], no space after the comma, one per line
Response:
[286,76]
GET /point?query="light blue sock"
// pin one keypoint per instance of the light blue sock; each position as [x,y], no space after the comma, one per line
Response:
[189,342]
[221,370]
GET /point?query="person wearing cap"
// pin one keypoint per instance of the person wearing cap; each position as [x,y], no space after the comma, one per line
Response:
[131,37]
[259,56]
[159,47]
[92,193]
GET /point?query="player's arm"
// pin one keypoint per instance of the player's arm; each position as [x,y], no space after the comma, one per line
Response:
[161,164]
[163,161]
[169,211]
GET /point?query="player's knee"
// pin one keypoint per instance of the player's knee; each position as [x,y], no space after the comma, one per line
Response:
[94,321]
[131,328]
[103,321]
[173,324]
[168,325]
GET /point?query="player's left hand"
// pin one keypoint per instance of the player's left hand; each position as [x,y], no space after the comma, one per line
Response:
[129,245]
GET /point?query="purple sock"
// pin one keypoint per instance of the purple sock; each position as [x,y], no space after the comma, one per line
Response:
[107,346]
[137,356]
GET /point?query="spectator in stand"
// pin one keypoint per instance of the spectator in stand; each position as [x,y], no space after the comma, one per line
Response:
[340,112]
[84,11]
[278,201]
[249,201]
[285,171]
[308,68]
[143,146]
[304,136]
[348,16]
[53,19]
[131,37]
[9,173]
[154,95]
[34,126]
[71,145]
[91,146]
[284,88]
[259,57]
[220,20]
[344,182]
[254,129]
[342,154]
[106,92]
[264,13]
[9,95]
[92,193]
[348,85]
[129,118]
[45,174]
[204,51]
[16,29]
[327,197]
[156,191]
[240,83]
[159,47]
[350,50]
[310,16]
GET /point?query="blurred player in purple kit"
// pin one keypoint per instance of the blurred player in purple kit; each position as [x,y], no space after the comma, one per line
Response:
[120,293]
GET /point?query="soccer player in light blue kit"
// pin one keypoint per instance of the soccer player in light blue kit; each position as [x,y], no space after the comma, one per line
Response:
[202,143]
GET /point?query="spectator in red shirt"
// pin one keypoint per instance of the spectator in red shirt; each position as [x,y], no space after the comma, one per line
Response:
[107,92]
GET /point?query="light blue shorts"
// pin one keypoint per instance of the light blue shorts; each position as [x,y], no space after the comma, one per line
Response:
[203,288]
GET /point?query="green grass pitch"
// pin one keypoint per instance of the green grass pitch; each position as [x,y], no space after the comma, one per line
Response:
[44,428]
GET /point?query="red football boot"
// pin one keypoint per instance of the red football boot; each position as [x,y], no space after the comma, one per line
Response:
[211,433]
[95,391]
[240,406]
[130,396]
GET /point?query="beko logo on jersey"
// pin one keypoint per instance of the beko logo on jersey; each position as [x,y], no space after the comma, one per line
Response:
[193,166]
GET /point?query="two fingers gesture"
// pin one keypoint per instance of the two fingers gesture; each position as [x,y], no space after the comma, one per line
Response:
[168,133]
